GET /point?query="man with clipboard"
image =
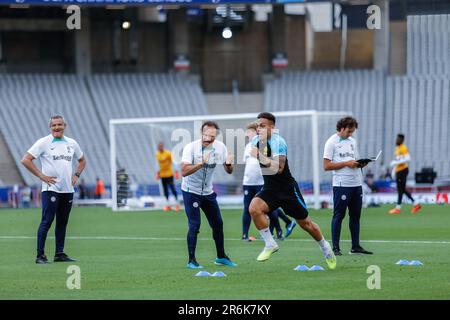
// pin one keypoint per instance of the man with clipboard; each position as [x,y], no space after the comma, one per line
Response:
[340,154]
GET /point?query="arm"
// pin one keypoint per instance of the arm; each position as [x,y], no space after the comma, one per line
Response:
[27,162]
[79,169]
[328,165]
[228,165]
[404,159]
[276,164]
[187,168]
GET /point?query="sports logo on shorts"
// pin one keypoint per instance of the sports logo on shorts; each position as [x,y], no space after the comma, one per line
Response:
[246,192]
[344,197]
[195,204]
[53,199]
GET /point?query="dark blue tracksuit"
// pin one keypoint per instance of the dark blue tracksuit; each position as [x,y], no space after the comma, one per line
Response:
[59,205]
[208,203]
[343,198]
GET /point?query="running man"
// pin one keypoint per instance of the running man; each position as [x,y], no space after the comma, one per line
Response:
[280,190]
[252,183]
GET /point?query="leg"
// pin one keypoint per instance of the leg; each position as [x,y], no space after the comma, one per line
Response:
[259,208]
[284,217]
[62,218]
[192,208]
[294,205]
[172,188]
[49,206]
[212,211]
[275,223]
[340,201]
[401,183]
[165,188]
[354,212]
[246,219]
[404,188]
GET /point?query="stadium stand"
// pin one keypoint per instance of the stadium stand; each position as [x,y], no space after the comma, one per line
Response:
[28,101]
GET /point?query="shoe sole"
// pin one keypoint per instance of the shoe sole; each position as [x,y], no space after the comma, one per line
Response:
[360,253]
[276,250]
[222,264]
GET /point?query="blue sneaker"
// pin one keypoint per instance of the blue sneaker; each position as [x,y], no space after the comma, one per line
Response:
[193,265]
[225,262]
[289,228]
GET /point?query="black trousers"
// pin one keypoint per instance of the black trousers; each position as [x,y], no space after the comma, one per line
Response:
[401,178]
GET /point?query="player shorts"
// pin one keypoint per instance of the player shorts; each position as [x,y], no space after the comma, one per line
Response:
[289,199]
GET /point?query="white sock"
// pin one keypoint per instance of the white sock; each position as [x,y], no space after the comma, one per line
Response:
[326,248]
[268,238]
[398,207]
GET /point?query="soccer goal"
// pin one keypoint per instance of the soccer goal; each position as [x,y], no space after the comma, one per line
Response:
[133,147]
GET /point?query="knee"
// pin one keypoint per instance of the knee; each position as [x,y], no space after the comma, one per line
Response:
[194,228]
[254,210]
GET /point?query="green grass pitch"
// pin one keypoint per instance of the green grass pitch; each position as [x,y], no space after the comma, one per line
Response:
[142,255]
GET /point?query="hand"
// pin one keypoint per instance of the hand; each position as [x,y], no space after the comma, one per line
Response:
[352,164]
[74,180]
[254,152]
[48,180]
[230,159]
[206,157]
[393,163]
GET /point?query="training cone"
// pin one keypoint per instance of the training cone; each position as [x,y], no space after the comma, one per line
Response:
[415,263]
[218,274]
[301,268]
[402,262]
[203,274]
[316,268]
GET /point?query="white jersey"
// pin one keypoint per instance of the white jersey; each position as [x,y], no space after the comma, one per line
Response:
[252,173]
[341,150]
[56,157]
[200,182]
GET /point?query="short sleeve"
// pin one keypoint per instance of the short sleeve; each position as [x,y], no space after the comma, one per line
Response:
[187,156]
[36,149]
[247,152]
[77,151]
[224,153]
[279,148]
[328,150]
[255,141]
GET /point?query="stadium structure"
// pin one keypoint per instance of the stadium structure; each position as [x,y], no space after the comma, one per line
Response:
[179,59]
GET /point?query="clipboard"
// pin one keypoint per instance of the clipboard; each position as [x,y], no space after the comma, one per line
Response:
[366,161]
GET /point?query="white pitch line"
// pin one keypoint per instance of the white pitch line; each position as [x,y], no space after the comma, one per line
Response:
[208,239]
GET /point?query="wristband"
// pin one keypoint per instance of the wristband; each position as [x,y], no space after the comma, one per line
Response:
[78,174]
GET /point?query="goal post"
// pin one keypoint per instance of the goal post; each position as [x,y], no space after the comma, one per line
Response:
[133,145]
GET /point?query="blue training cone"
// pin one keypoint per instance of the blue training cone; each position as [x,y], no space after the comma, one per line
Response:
[402,262]
[218,274]
[203,274]
[301,268]
[415,263]
[316,268]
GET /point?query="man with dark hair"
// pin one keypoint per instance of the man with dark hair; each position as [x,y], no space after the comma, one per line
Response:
[280,190]
[400,165]
[252,183]
[340,154]
[56,153]
[198,163]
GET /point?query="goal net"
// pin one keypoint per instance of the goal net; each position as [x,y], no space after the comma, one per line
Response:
[133,148]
